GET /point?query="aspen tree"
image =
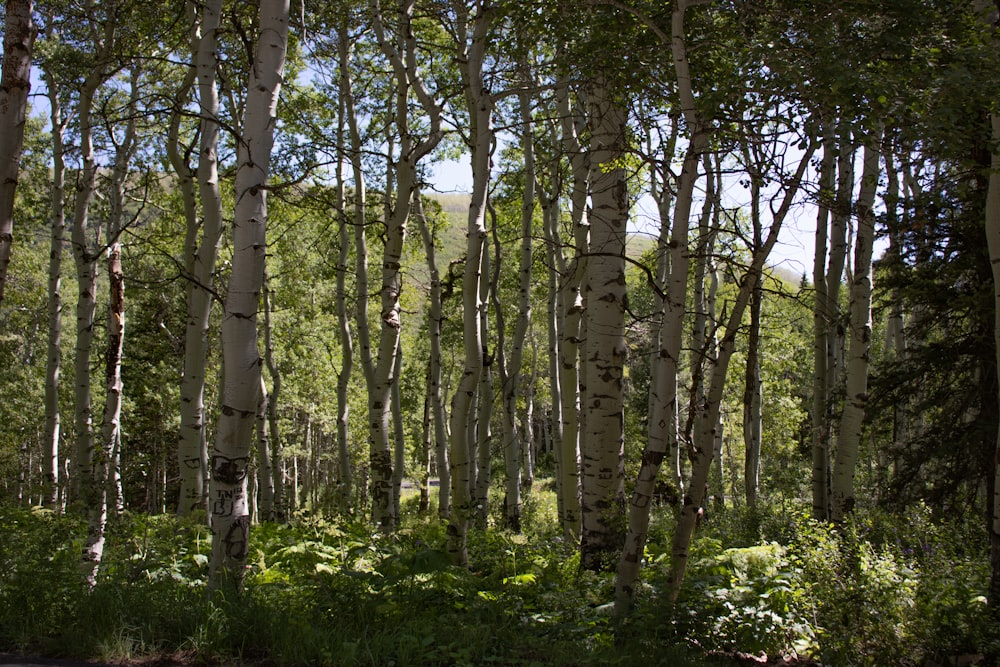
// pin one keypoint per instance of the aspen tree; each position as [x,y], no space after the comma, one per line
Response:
[849,433]
[602,447]
[228,514]
[471,32]
[53,427]
[15,83]
[192,447]
[435,317]
[346,128]
[411,151]
[570,313]
[663,414]
[513,437]
[821,330]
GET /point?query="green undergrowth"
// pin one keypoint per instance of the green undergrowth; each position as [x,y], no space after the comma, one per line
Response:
[886,590]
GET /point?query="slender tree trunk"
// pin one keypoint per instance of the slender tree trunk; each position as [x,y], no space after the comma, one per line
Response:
[398,435]
[50,476]
[15,82]
[344,472]
[404,65]
[849,434]
[706,427]
[265,509]
[572,306]
[471,57]
[192,449]
[241,360]
[821,333]
[663,417]
[752,386]
[482,424]
[434,319]
[86,258]
[513,438]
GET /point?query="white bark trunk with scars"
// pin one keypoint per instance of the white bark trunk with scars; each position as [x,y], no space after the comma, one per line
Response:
[15,82]
[437,409]
[482,439]
[513,437]
[192,450]
[471,57]
[856,398]
[664,414]
[602,448]
[50,466]
[404,65]
[707,424]
[86,257]
[242,364]
[570,314]
[345,480]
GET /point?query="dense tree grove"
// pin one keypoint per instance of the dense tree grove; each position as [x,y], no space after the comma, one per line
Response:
[298,342]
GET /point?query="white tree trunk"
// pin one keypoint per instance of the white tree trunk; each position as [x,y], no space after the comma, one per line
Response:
[435,317]
[706,428]
[603,446]
[404,64]
[15,82]
[571,308]
[85,257]
[50,474]
[230,456]
[192,448]
[471,57]
[663,417]
[345,482]
[849,434]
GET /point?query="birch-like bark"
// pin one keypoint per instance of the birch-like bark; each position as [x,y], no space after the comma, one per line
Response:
[856,398]
[15,83]
[50,463]
[411,151]
[481,437]
[895,342]
[265,508]
[435,317]
[571,308]
[105,456]
[398,434]
[229,516]
[513,437]
[268,445]
[661,189]
[472,32]
[821,332]
[706,428]
[86,257]
[553,308]
[344,472]
[603,445]
[192,447]
[664,412]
